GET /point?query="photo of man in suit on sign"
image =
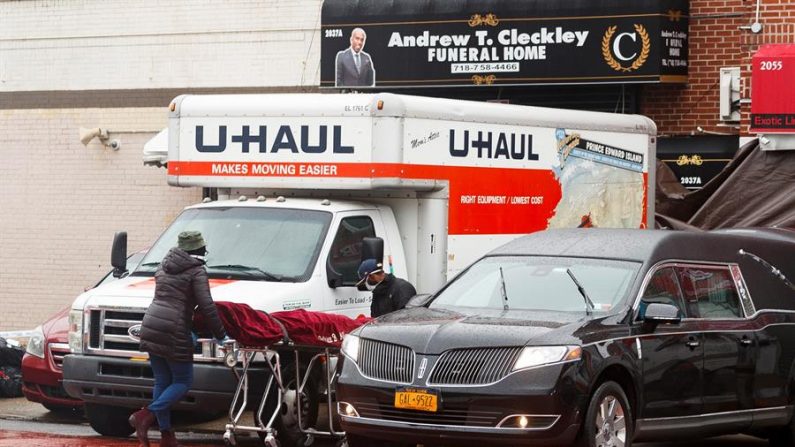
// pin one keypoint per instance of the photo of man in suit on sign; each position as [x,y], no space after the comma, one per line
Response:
[354,66]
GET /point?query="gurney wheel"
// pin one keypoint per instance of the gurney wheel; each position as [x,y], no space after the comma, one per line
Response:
[270,441]
[229,439]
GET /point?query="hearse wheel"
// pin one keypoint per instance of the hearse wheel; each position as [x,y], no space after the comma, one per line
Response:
[608,420]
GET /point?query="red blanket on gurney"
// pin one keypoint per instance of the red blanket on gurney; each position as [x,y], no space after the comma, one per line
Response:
[255,328]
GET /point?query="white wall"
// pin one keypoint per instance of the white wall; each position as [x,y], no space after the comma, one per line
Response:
[149,44]
[62,202]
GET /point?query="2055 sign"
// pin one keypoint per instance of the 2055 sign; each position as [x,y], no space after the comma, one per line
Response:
[771,65]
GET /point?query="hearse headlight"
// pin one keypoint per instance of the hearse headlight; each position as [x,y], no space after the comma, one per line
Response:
[350,346]
[532,356]
[36,343]
[76,331]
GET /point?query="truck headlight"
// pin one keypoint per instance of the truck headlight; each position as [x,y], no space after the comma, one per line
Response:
[36,343]
[350,346]
[543,355]
[76,331]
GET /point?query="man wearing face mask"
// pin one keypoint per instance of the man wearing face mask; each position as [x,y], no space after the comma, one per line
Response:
[389,292]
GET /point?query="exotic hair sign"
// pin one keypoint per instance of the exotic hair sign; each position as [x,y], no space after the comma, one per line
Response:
[413,43]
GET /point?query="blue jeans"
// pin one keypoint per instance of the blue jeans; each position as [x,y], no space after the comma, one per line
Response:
[172,382]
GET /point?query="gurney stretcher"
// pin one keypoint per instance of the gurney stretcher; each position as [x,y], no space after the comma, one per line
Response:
[298,350]
[276,386]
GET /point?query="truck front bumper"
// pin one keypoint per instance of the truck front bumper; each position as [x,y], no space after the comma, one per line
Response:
[123,382]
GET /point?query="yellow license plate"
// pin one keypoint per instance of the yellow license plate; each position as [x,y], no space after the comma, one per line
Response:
[421,399]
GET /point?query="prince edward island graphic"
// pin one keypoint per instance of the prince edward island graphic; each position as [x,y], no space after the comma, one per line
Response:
[601,185]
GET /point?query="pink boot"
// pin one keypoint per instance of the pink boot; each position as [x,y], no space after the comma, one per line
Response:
[141,420]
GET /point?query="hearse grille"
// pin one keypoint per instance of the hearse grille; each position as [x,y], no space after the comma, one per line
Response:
[447,415]
[474,366]
[108,330]
[386,361]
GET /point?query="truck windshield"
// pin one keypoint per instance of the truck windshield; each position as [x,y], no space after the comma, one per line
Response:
[249,242]
[540,283]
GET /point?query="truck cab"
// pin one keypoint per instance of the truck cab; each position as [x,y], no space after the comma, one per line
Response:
[271,253]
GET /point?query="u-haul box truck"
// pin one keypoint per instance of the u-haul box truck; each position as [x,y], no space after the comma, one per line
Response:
[303,178]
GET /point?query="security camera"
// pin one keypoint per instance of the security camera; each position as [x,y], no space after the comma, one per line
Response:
[115,145]
[86,135]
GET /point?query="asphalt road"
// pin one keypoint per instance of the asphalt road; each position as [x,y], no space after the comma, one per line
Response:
[31,433]
[25,424]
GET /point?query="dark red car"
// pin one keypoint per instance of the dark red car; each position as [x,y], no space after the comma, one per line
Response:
[42,372]
[41,365]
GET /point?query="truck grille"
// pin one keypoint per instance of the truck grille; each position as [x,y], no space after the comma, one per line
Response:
[108,331]
[474,366]
[386,361]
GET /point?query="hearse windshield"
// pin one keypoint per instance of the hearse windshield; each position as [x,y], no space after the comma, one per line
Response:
[540,283]
[249,242]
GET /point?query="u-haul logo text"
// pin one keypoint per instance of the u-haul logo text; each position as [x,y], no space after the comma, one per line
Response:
[494,145]
[306,139]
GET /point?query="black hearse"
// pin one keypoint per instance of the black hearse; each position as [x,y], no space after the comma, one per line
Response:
[592,337]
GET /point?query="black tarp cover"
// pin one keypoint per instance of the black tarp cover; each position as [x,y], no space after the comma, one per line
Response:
[756,189]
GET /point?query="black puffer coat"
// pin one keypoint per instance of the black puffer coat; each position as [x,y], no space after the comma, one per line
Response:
[181,286]
[392,294]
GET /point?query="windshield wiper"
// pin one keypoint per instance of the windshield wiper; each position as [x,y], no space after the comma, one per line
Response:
[502,291]
[150,264]
[588,303]
[247,268]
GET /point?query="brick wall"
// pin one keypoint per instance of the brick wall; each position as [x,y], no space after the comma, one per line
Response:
[716,41]
[62,202]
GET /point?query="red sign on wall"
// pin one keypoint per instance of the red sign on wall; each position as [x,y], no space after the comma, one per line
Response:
[772,90]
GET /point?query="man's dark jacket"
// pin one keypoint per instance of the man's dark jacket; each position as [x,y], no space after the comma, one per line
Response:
[390,295]
[181,285]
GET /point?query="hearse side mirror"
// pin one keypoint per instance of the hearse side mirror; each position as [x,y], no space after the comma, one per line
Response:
[118,254]
[419,300]
[333,277]
[661,313]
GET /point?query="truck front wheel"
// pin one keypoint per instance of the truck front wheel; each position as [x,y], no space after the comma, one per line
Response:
[109,421]
[286,423]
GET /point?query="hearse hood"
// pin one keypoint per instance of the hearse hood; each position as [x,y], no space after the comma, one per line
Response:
[433,331]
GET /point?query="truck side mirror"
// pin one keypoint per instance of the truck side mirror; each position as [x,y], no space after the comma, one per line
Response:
[419,300]
[118,254]
[333,277]
[373,248]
